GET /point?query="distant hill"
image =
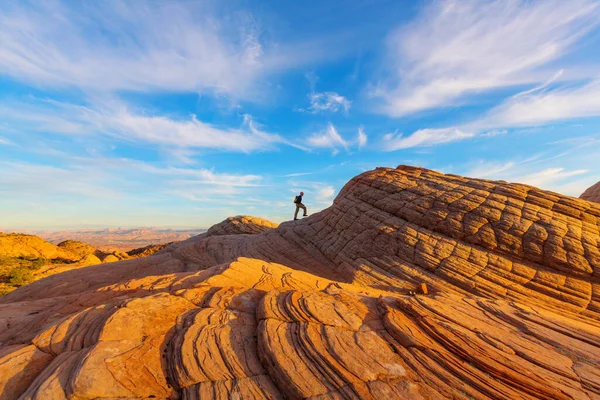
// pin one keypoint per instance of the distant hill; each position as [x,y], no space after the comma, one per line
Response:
[80,249]
[592,193]
[22,245]
[26,258]
[112,239]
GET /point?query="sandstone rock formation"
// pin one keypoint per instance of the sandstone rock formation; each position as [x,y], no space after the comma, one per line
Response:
[22,245]
[592,193]
[147,250]
[110,258]
[89,259]
[241,224]
[321,308]
[77,248]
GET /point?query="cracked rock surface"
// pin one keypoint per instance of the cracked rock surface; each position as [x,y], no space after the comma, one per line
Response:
[329,307]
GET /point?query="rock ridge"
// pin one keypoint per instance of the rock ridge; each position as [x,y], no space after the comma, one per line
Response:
[325,307]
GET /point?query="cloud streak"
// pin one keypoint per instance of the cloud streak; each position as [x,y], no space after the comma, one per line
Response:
[424,138]
[120,121]
[330,138]
[537,107]
[327,102]
[458,48]
[159,46]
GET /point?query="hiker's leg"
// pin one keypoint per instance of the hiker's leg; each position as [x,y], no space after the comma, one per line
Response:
[304,208]
[296,213]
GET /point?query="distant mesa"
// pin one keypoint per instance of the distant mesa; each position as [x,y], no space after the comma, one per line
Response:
[111,239]
[592,193]
[412,285]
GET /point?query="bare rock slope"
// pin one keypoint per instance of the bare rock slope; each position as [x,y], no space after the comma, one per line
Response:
[592,193]
[22,245]
[324,308]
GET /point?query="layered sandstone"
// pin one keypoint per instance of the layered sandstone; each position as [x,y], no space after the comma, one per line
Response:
[333,306]
[592,193]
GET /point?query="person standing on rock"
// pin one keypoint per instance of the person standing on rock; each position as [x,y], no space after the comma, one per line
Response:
[299,205]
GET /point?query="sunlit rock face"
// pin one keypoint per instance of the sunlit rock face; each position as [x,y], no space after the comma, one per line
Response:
[332,306]
[592,193]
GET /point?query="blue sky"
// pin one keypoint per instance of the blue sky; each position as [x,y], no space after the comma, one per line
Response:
[179,114]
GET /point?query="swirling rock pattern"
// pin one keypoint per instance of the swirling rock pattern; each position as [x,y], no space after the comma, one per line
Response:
[329,307]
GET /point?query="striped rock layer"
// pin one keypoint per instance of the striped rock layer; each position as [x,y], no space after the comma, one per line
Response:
[330,307]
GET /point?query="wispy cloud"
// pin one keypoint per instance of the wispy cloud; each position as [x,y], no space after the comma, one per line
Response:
[540,107]
[424,137]
[546,172]
[327,102]
[330,138]
[172,46]
[298,174]
[362,137]
[457,48]
[325,194]
[27,180]
[109,177]
[118,120]
[536,107]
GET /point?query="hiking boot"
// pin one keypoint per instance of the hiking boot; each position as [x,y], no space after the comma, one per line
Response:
[295,219]
[305,215]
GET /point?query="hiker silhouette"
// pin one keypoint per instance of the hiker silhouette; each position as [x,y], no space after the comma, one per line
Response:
[299,205]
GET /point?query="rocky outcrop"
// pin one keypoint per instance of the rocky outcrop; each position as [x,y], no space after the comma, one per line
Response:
[334,306]
[147,250]
[79,249]
[89,259]
[110,258]
[22,245]
[592,193]
[240,224]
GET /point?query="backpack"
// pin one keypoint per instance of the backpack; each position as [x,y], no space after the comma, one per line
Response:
[296,200]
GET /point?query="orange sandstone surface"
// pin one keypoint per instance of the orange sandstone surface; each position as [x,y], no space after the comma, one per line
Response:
[412,285]
[592,193]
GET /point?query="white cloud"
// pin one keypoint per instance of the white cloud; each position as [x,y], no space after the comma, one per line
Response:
[489,169]
[559,173]
[424,137]
[118,120]
[298,174]
[540,107]
[456,48]
[325,194]
[541,178]
[329,138]
[327,102]
[24,180]
[5,141]
[171,46]
[535,107]
[104,177]
[362,137]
